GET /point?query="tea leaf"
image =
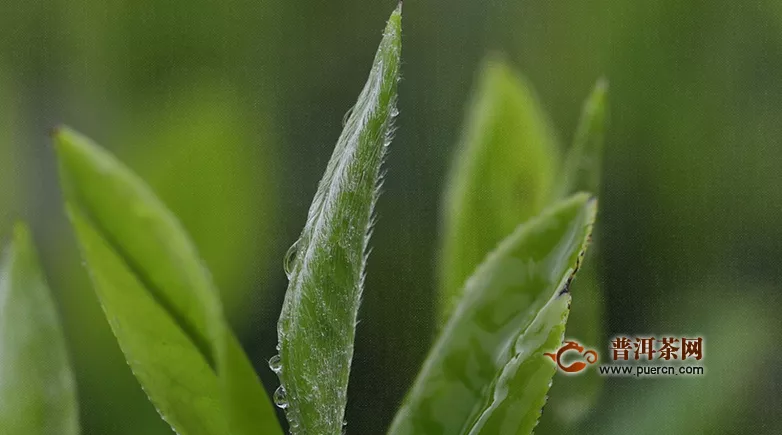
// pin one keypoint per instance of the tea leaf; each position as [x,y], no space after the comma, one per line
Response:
[207,131]
[571,397]
[159,299]
[317,325]
[487,374]
[503,175]
[584,160]
[37,391]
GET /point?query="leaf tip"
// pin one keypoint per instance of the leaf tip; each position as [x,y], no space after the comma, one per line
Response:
[65,138]
[21,233]
[394,26]
[592,204]
[67,144]
[55,130]
[602,84]
[595,105]
[591,213]
[59,134]
[495,64]
[599,94]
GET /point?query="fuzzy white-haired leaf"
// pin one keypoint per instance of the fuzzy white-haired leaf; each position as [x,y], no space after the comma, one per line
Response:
[318,321]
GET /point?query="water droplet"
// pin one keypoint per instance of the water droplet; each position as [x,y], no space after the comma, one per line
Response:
[289,257]
[280,397]
[347,116]
[275,363]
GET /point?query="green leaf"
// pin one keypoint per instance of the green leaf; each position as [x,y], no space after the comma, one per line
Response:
[224,195]
[487,374]
[159,299]
[584,160]
[317,325]
[37,391]
[503,174]
[571,397]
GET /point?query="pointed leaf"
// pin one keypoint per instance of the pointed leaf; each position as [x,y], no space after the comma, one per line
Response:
[37,391]
[571,397]
[503,175]
[317,325]
[159,298]
[581,172]
[487,374]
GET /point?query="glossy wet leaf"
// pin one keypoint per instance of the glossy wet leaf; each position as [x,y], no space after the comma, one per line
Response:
[37,390]
[487,374]
[503,175]
[317,325]
[159,298]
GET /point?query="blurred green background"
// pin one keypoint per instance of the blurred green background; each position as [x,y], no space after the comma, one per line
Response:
[231,109]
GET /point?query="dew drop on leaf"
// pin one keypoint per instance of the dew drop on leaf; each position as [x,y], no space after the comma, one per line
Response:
[275,363]
[280,397]
[289,257]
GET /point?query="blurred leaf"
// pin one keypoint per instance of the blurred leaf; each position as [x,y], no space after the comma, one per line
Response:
[572,397]
[503,175]
[740,357]
[318,321]
[199,155]
[583,163]
[7,158]
[487,374]
[159,299]
[37,391]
